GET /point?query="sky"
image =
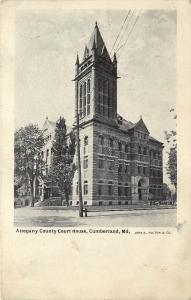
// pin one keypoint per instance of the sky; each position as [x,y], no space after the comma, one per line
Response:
[47,42]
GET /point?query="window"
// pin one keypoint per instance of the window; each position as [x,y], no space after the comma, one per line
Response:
[110,202]
[46,170]
[120,168]
[145,151]
[139,170]
[77,202]
[76,188]
[110,189]
[85,162]
[85,202]
[100,187]
[127,148]
[110,165]
[101,162]
[80,108]
[144,170]
[86,141]
[109,101]
[127,190]
[111,142]
[85,144]
[42,154]
[120,146]
[120,189]
[127,169]
[100,97]
[84,99]
[139,150]
[100,203]
[101,140]
[85,187]
[119,202]
[88,97]
[47,152]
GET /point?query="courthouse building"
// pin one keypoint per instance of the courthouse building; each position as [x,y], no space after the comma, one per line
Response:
[121,161]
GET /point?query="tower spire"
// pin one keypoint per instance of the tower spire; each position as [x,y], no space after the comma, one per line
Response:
[77,60]
[94,44]
[114,58]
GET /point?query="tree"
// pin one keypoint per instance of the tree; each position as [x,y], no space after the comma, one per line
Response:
[63,150]
[171,167]
[29,142]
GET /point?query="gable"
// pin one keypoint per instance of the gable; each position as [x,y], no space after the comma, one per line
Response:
[140,125]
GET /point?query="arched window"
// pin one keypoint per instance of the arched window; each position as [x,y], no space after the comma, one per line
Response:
[84,100]
[86,141]
[85,162]
[88,97]
[80,108]
[85,144]
[85,187]
[99,96]
[109,101]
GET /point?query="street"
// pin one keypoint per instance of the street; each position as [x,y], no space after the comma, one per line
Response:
[28,216]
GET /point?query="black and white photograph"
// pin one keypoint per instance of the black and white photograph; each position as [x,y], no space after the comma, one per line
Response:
[95,141]
[95,150]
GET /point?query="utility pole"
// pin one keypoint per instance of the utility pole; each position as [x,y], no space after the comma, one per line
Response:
[78,155]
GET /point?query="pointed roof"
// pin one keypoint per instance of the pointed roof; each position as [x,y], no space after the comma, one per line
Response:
[49,127]
[96,41]
[86,52]
[77,60]
[114,58]
[141,125]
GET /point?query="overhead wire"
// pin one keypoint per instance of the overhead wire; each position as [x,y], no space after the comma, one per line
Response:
[131,30]
[120,31]
[127,25]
